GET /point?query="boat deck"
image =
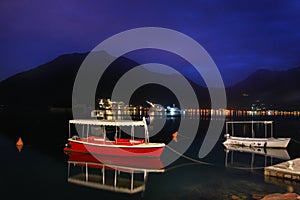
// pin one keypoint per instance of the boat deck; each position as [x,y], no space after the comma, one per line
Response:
[286,170]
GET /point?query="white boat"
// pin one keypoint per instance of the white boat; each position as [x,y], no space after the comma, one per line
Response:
[258,142]
[267,142]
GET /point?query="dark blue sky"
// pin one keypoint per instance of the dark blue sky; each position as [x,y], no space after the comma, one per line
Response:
[240,36]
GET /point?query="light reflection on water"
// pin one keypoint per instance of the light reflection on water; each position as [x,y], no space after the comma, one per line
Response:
[42,171]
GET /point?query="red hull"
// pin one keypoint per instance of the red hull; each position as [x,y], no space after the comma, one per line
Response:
[125,150]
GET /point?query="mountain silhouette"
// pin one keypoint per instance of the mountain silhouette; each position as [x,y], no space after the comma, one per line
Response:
[51,85]
[275,89]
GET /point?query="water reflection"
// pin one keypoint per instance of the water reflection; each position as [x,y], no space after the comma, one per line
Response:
[118,174]
[290,185]
[237,155]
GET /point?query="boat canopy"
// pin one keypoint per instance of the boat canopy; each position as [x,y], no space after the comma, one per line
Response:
[249,122]
[115,123]
[107,122]
[264,122]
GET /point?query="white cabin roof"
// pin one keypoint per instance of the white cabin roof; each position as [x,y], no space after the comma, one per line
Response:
[249,122]
[107,122]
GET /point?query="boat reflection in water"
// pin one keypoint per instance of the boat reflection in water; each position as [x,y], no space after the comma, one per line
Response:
[272,153]
[117,174]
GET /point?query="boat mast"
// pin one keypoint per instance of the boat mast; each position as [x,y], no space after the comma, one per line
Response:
[146,130]
[104,133]
[226,128]
[266,130]
[271,130]
[69,130]
[132,132]
[252,129]
[87,131]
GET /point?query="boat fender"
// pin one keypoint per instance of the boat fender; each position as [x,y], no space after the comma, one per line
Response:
[75,137]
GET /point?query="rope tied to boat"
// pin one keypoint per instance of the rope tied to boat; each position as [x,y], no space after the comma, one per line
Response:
[195,161]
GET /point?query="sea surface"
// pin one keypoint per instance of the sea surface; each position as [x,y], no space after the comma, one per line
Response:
[41,169]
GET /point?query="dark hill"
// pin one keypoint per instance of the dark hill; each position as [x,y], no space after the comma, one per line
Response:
[51,84]
[276,89]
[47,85]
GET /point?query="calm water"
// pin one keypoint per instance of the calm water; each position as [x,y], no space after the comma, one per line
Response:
[41,170]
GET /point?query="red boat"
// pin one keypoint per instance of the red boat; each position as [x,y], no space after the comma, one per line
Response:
[97,143]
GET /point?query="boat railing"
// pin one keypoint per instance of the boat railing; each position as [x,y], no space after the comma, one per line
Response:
[87,123]
[265,123]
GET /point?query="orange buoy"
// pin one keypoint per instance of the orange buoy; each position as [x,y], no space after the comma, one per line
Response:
[174,136]
[19,144]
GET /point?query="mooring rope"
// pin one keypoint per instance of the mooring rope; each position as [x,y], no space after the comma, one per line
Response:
[207,163]
[187,157]
[295,140]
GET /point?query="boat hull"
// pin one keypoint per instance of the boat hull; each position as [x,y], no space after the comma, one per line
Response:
[120,162]
[111,148]
[258,142]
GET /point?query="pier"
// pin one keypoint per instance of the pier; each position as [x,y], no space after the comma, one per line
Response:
[286,170]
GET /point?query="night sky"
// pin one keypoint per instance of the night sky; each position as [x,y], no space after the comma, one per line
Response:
[240,36]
